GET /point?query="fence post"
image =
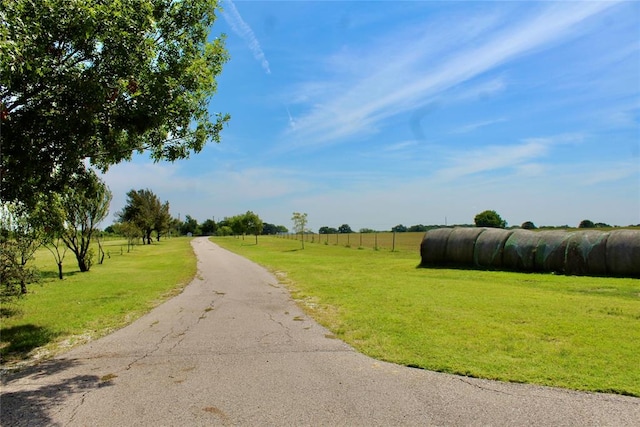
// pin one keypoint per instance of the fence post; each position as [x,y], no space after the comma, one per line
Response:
[393,244]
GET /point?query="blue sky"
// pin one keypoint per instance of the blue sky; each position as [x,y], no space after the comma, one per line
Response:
[382,113]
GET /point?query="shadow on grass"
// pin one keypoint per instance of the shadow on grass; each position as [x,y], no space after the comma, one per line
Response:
[31,405]
[9,311]
[50,275]
[16,342]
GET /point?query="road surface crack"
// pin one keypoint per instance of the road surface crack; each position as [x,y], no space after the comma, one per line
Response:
[462,379]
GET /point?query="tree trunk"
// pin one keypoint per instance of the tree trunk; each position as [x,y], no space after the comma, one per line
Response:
[60,270]
[82,264]
[23,287]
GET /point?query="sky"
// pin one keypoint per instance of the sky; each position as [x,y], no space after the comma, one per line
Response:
[379,113]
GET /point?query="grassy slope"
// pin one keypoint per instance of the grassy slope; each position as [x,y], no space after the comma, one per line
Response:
[575,332]
[56,314]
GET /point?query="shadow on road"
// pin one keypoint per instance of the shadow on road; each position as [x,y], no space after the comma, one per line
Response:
[33,406]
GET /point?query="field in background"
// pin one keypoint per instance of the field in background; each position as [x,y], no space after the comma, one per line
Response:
[581,333]
[408,241]
[57,314]
[381,241]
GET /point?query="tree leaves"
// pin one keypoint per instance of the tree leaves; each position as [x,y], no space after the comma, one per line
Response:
[101,80]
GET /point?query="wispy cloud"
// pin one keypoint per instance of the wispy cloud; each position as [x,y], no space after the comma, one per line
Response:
[414,72]
[398,146]
[477,125]
[244,31]
[522,158]
[492,158]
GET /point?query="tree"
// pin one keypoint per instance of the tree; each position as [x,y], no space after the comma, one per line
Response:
[224,230]
[145,210]
[489,219]
[299,224]
[21,236]
[586,223]
[269,229]
[399,228]
[162,220]
[345,229]
[528,225]
[190,225]
[237,225]
[327,230]
[86,203]
[100,80]
[209,227]
[417,228]
[53,216]
[130,231]
[252,224]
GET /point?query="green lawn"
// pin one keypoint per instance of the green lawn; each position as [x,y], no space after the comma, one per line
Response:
[57,314]
[581,333]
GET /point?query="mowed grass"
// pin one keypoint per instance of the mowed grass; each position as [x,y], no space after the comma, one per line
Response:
[580,333]
[57,314]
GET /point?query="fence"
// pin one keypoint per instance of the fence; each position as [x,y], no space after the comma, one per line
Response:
[409,241]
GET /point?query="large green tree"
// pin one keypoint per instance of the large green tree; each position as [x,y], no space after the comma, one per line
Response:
[489,219]
[101,80]
[145,210]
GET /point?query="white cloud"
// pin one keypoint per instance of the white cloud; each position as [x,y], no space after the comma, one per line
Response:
[414,71]
[244,31]
[492,158]
[521,157]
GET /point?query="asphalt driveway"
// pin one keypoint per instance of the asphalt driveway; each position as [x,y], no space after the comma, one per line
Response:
[234,349]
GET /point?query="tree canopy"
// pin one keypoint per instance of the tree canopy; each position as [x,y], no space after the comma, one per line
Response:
[145,210]
[586,223]
[327,230]
[345,229]
[100,80]
[489,219]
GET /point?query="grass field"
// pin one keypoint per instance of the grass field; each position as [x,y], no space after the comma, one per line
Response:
[57,314]
[580,333]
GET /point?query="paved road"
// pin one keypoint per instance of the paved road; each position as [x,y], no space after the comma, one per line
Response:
[234,349]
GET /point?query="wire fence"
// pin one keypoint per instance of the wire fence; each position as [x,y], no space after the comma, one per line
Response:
[390,241]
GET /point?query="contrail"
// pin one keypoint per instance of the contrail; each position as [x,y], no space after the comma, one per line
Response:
[242,29]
